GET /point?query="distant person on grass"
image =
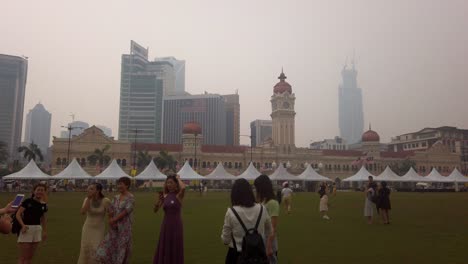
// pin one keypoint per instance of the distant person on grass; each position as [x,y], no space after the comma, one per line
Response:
[286,194]
[32,218]
[171,237]
[371,194]
[249,215]
[323,193]
[95,207]
[266,196]
[383,202]
[116,248]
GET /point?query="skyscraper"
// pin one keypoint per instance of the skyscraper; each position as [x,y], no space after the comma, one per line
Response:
[351,116]
[141,95]
[232,119]
[260,131]
[38,122]
[178,66]
[208,110]
[13,75]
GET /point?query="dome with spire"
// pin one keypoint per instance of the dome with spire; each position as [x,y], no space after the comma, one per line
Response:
[370,136]
[192,128]
[282,86]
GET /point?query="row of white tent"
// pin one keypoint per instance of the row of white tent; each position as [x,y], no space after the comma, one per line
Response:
[75,172]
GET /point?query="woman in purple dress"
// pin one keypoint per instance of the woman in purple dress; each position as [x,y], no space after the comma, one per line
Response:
[171,237]
[116,248]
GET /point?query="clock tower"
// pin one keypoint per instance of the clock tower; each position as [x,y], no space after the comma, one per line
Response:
[282,115]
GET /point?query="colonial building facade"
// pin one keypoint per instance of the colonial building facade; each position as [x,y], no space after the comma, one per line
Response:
[266,157]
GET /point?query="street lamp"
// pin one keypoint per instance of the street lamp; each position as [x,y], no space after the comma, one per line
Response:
[69,128]
[135,150]
[195,160]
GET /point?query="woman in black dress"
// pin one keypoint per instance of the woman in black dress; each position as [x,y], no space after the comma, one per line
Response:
[383,204]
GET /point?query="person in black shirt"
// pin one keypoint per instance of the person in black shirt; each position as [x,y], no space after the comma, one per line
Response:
[32,218]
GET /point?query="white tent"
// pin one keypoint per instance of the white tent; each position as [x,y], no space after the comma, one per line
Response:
[412,176]
[72,172]
[389,175]
[310,174]
[187,173]
[112,172]
[281,174]
[251,173]
[435,176]
[456,176]
[219,173]
[30,172]
[151,172]
[361,176]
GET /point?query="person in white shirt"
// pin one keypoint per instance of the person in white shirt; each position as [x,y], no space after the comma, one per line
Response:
[286,194]
[243,202]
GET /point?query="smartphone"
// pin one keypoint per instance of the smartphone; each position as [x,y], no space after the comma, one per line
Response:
[18,200]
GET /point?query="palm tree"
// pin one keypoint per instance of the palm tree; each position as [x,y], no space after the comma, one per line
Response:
[3,152]
[99,155]
[164,160]
[143,159]
[31,152]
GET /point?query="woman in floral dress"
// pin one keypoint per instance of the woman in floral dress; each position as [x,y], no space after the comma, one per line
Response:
[116,248]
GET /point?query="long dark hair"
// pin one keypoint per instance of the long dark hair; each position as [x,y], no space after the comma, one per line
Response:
[99,189]
[174,178]
[242,194]
[264,188]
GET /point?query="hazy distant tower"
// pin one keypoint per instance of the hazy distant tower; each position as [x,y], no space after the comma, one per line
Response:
[38,127]
[351,116]
[282,116]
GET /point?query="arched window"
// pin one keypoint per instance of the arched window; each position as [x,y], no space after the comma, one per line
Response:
[240,165]
[215,164]
[119,161]
[236,165]
[225,164]
[190,162]
[204,164]
[208,164]
[230,165]
[58,162]
[64,161]
[124,162]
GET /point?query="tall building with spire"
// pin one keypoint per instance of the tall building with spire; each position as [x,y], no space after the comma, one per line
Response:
[283,115]
[351,115]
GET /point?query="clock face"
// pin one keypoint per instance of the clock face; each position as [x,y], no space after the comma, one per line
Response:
[286,105]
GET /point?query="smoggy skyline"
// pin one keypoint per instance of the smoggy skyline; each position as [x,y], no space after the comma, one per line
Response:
[411,57]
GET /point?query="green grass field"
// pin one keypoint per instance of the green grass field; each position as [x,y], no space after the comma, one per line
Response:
[425,228]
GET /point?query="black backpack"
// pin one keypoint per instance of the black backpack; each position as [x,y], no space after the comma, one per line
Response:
[253,248]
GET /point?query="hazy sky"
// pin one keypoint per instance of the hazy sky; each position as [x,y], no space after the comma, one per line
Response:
[412,56]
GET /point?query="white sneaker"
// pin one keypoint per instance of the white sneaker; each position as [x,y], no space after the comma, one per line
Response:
[326,217]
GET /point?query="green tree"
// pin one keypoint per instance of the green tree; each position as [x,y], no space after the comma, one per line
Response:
[165,161]
[401,168]
[31,152]
[3,152]
[143,159]
[99,155]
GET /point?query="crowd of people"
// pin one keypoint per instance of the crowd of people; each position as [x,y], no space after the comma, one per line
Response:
[249,230]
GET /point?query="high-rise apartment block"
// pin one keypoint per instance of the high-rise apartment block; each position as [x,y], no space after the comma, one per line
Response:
[13,75]
[260,131]
[38,122]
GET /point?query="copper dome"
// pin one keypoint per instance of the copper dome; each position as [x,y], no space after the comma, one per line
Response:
[192,128]
[282,86]
[370,136]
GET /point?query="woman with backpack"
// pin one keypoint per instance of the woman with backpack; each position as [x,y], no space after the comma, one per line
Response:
[266,196]
[245,226]
[31,216]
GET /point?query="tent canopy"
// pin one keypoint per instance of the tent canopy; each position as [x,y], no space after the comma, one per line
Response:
[456,176]
[389,175]
[30,172]
[435,176]
[281,174]
[412,176]
[151,172]
[72,172]
[219,173]
[251,173]
[112,172]
[361,176]
[310,174]
[187,173]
